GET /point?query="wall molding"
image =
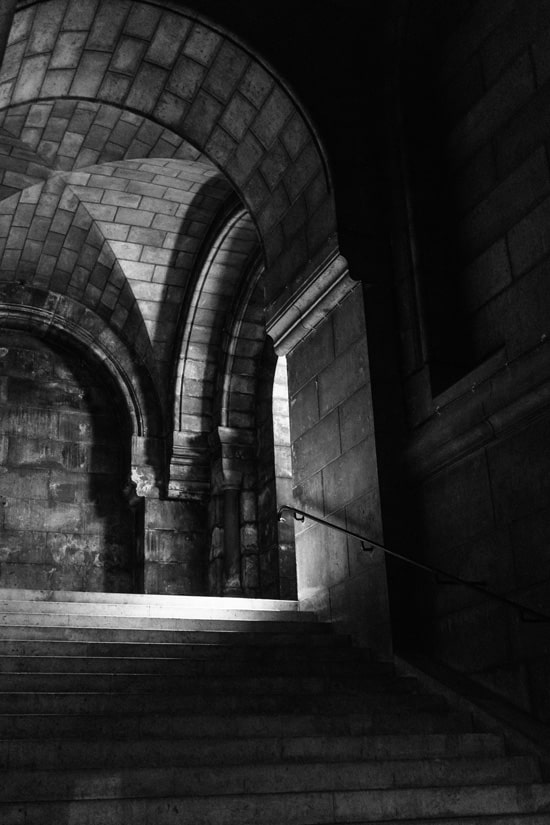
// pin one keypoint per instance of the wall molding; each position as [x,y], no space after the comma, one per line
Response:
[504,402]
[328,284]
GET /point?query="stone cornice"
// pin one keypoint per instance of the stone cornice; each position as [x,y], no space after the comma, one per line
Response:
[326,287]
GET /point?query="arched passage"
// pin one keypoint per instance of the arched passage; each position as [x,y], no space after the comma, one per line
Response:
[65,460]
[127,102]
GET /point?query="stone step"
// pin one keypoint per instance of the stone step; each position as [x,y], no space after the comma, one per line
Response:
[182,724]
[97,598]
[244,654]
[427,803]
[314,635]
[189,685]
[285,701]
[57,754]
[177,610]
[498,819]
[278,778]
[355,671]
[136,622]
[165,710]
[383,806]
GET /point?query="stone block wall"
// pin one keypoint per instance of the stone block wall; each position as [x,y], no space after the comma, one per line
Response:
[485,517]
[175,542]
[477,113]
[265,502]
[478,455]
[335,474]
[283,480]
[64,520]
[276,539]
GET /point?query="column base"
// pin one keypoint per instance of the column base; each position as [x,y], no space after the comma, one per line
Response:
[232,587]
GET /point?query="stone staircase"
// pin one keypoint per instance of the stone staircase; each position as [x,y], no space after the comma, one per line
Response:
[119,709]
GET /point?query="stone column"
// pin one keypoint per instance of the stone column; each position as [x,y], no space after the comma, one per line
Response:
[232,533]
[190,467]
[235,449]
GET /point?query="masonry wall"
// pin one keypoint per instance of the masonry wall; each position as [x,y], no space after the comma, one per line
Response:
[64,521]
[335,475]
[478,445]
[283,480]
[276,538]
[265,503]
[174,547]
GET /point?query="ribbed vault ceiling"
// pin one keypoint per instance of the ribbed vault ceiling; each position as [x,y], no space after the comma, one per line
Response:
[129,133]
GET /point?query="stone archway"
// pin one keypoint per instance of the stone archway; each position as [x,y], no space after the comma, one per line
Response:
[67,523]
[185,75]
[142,126]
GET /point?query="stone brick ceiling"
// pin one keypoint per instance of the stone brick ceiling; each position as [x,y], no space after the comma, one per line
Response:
[187,77]
[70,134]
[20,166]
[126,130]
[120,238]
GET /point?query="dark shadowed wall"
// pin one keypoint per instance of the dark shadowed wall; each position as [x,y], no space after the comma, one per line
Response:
[475,310]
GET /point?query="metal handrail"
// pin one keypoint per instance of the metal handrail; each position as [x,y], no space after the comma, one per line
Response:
[527,614]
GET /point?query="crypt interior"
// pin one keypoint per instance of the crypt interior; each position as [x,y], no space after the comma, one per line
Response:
[283,253]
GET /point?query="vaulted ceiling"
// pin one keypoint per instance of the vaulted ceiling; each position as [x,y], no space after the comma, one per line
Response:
[159,185]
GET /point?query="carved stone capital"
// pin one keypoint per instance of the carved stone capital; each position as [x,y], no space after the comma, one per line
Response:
[145,481]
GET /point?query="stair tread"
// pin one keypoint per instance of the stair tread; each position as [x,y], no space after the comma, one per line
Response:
[210,726]
[479,819]
[206,624]
[272,778]
[146,683]
[391,803]
[315,635]
[240,749]
[273,720]
[20,594]
[308,810]
[154,611]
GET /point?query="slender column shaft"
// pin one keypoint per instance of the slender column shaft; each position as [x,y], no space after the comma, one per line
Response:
[232,541]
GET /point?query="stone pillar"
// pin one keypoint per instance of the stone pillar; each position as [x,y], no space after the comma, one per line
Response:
[146,466]
[136,504]
[335,474]
[190,466]
[232,534]
[175,547]
[237,455]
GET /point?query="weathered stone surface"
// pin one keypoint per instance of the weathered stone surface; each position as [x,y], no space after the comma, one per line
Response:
[59,509]
[316,447]
[123,241]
